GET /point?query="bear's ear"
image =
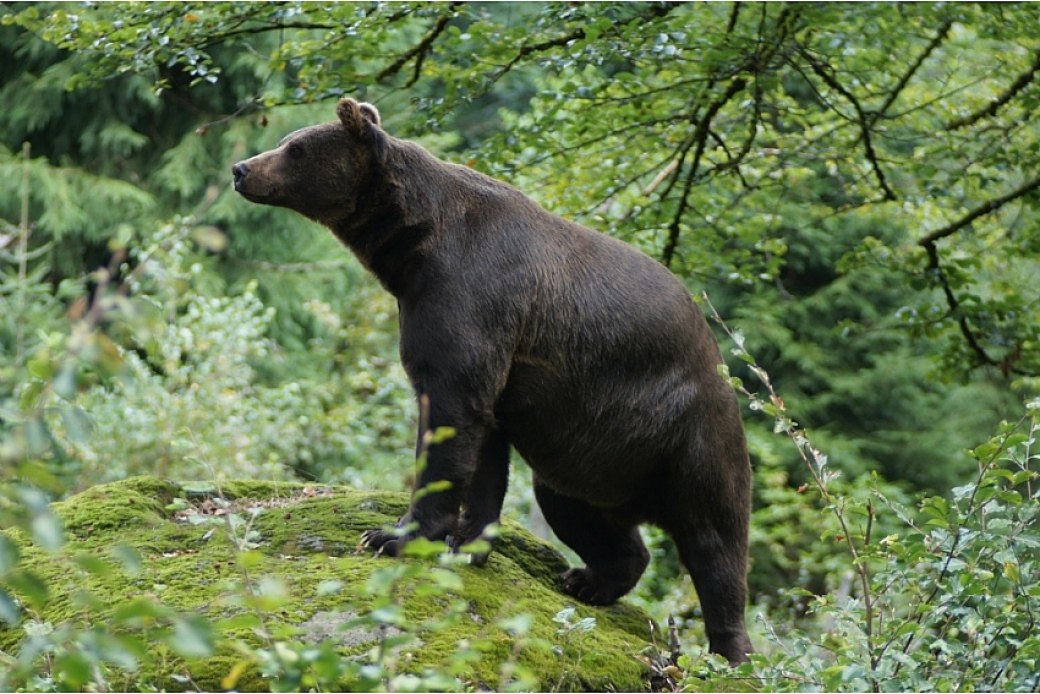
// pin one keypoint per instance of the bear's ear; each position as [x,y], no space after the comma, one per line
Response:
[355,116]
[369,112]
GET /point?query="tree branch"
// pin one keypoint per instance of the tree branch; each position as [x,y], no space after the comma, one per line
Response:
[656,11]
[934,265]
[733,15]
[699,139]
[951,300]
[755,63]
[529,48]
[983,209]
[990,109]
[940,36]
[419,50]
[865,121]
[268,25]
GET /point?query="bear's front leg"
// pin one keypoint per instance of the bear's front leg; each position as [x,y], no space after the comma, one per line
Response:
[483,500]
[454,469]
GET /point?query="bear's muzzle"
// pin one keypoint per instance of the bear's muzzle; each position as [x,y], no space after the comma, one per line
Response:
[239,171]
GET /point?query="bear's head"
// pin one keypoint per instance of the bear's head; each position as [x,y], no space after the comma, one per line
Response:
[317,171]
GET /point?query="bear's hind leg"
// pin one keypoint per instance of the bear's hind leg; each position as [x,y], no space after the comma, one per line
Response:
[614,555]
[712,539]
[719,577]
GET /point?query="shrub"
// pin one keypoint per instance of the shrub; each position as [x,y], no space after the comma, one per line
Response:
[946,602]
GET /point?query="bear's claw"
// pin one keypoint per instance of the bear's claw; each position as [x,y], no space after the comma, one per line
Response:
[456,543]
[381,541]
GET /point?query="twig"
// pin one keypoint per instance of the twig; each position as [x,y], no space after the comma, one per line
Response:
[659,178]
[992,107]
[951,300]
[23,255]
[419,50]
[655,11]
[201,130]
[958,535]
[755,63]
[527,49]
[940,36]
[865,121]
[983,209]
[698,139]
[816,469]
[935,265]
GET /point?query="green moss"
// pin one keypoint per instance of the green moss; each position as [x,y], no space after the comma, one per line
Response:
[197,559]
[135,502]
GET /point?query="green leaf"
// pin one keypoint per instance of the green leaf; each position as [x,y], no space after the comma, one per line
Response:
[128,557]
[478,546]
[388,614]
[517,624]
[37,435]
[1023,476]
[78,426]
[139,608]
[328,587]
[564,616]
[9,611]
[178,504]
[65,381]
[585,624]
[986,451]
[92,564]
[199,488]
[47,531]
[73,670]
[9,555]
[1015,439]
[42,368]
[246,620]
[424,548]
[192,637]
[442,434]
[30,586]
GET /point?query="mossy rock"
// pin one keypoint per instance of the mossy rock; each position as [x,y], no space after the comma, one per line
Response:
[194,559]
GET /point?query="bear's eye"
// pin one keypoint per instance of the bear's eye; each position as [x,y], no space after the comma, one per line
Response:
[295,149]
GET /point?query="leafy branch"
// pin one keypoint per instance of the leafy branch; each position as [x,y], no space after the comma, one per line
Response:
[653,11]
[974,504]
[929,243]
[420,50]
[865,120]
[698,139]
[983,209]
[990,109]
[940,36]
[756,63]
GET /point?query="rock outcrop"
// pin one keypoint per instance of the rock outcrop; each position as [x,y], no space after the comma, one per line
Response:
[281,559]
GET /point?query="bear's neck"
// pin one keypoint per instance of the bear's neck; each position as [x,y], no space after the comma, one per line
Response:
[395,254]
[408,205]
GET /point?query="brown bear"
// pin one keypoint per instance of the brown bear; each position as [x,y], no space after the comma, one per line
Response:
[522,329]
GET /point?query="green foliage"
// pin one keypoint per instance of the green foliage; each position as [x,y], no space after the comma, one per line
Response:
[947,603]
[939,598]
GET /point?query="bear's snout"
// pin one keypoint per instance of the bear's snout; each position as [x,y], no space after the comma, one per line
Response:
[239,171]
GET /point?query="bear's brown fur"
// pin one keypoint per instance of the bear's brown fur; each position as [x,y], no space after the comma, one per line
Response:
[528,331]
